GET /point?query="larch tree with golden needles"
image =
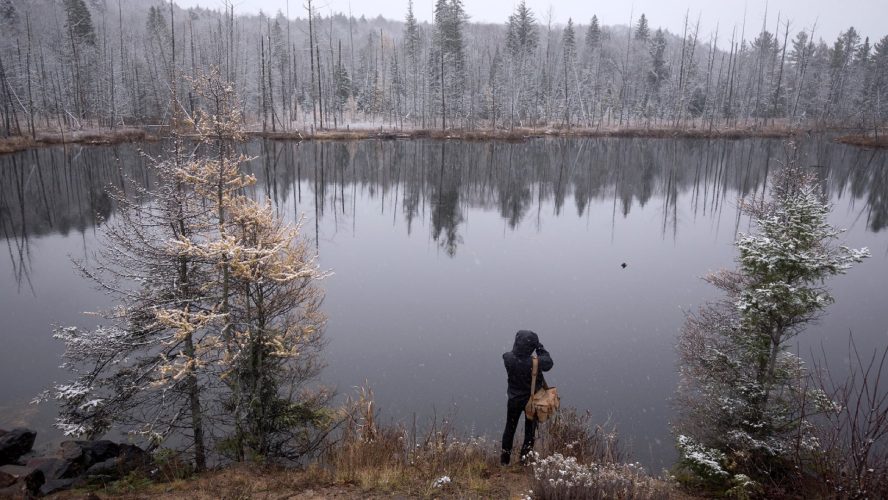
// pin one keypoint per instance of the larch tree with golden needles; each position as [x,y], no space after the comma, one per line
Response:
[217,330]
[147,368]
[267,293]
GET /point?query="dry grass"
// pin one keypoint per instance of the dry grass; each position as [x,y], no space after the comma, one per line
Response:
[91,136]
[865,140]
[107,136]
[396,460]
[522,134]
[560,478]
[572,433]
[16,143]
[235,482]
[579,460]
[370,460]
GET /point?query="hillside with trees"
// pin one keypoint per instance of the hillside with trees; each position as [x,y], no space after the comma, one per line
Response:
[87,64]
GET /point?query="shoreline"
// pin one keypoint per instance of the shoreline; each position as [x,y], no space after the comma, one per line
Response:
[16,144]
[866,141]
[522,134]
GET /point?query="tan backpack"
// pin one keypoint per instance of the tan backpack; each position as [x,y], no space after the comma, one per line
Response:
[544,402]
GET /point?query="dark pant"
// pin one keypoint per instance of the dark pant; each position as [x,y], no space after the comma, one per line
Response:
[514,410]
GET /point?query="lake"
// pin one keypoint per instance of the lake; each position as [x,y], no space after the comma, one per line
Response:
[443,249]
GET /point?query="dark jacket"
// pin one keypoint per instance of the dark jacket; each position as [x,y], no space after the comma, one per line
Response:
[519,364]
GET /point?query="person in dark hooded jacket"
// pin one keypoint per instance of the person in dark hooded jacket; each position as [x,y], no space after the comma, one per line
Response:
[519,367]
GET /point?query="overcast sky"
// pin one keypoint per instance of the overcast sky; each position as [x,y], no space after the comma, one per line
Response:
[869,17]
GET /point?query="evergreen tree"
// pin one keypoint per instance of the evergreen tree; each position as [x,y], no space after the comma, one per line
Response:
[8,13]
[569,45]
[697,102]
[494,95]
[659,70]
[447,62]
[78,22]
[880,79]
[593,34]
[521,44]
[344,88]
[741,395]
[569,41]
[802,49]
[156,24]
[411,34]
[880,51]
[863,53]
[851,42]
[521,32]
[880,64]
[642,31]
[278,43]
[398,89]
[412,46]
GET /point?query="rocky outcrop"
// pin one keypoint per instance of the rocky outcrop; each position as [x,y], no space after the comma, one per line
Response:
[14,444]
[74,464]
[20,481]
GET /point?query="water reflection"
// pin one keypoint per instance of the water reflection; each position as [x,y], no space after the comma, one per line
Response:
[59,190]
[442,249]
[448,177]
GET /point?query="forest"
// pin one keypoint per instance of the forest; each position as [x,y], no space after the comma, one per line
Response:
[212,251]
[86,64]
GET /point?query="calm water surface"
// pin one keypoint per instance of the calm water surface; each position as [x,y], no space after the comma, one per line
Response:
[442,250]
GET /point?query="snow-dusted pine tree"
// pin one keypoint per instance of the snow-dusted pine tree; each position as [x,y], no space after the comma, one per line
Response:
[742,397]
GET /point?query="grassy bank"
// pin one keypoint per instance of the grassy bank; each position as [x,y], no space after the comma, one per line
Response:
[521,134]
[93,136]
[865,140]
[122,135]
[575,460]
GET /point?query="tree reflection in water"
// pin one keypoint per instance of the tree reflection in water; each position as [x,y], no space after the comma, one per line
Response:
[58,190]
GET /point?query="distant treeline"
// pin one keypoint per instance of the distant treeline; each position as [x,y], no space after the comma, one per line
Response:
[79,64]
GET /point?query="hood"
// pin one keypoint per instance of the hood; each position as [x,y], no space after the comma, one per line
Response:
[525,343]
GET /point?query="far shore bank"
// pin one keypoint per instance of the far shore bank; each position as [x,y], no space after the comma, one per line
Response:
[133,134]
[18,143]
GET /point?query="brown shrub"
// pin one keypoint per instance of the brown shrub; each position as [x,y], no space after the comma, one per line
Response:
[392,458]
[571,433]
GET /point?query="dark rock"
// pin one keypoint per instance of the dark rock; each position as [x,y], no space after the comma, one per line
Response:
[27,481]
[131,458]
[99,451]
[14,444]
[86,453]
[76,457]
[71,451]
[55,468]
[6,479]
[56,485]
[74,463]
[110,467]
[15,491]
[16,470]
